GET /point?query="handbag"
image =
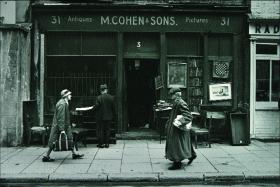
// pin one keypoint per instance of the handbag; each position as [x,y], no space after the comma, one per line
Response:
[182,126]
[63,144]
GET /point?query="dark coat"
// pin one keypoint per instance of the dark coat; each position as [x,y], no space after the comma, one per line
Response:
[105,108]
[61,122]
[178,143]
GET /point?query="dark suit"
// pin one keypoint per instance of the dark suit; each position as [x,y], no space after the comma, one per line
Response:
[105,112]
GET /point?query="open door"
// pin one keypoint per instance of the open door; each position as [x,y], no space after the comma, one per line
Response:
[141,95]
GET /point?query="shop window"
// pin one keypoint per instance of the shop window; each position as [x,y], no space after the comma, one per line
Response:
[220,45]
[270,49]
[184,44]
[82,75]
[267,76]
[59,43]
[99,43]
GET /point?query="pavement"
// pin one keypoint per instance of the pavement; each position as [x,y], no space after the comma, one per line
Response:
[142,161]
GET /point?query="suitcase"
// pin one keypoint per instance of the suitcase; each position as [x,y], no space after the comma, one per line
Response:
[63,144]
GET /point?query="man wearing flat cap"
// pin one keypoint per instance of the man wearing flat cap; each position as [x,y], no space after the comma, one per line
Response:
[105,113]
[178,143]
[61,124]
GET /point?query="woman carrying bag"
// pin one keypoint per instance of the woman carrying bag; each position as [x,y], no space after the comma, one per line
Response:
[61,126]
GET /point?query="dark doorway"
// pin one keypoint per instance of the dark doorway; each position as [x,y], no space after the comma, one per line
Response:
[141,95]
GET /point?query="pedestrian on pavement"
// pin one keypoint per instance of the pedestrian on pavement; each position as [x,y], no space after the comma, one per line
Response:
[61,124]
[178,142]
[105,114]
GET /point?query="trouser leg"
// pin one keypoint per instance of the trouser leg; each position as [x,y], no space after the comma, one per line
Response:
[107,131]
[100,128]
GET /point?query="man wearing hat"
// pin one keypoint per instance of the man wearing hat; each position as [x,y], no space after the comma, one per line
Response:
[105,112]
[178,143]
[61,124]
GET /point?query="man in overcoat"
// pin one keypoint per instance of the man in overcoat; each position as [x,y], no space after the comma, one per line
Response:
[61,124]
[178,143]
[105,113]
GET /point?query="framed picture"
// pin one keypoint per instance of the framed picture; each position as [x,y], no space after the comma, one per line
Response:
[220,91]
[177,74]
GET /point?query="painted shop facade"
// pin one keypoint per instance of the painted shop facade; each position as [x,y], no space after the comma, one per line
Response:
[264,33]
[140,53]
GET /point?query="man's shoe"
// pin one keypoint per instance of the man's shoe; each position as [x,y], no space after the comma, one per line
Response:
[100,145]
[77,156]
[47,159]
[175,165]
[106,145]
[191,159]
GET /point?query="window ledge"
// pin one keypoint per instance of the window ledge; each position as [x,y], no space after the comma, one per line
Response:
[267,109]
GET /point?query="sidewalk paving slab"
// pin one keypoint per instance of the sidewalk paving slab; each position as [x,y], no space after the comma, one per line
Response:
[142,161]
[181,177]
[83,177]
[24,177]
[224,176]
[133,177]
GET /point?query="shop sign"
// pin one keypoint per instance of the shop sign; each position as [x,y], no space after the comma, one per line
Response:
[140,22]
[264,29]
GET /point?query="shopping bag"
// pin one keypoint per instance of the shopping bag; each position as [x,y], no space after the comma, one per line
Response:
[63,144]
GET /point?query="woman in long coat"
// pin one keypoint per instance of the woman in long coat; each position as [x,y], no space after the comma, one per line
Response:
[178,142]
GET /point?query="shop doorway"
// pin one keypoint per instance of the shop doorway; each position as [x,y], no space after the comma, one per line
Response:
[141,94]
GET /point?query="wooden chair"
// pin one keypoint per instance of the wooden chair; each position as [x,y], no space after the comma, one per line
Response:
[200,128]
[38,131]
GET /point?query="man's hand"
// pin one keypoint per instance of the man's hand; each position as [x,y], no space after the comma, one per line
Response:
[63,132]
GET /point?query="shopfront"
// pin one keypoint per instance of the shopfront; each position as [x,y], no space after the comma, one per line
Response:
[129,49]
[265,71]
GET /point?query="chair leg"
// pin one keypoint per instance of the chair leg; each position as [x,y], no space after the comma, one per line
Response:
[195,140]
[44,139]
[29,138]
[209,141]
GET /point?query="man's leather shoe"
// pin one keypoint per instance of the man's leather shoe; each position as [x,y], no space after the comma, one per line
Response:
[106,145]
[175,165]
[100,145]
[191,159]
[47,159]
[77,156]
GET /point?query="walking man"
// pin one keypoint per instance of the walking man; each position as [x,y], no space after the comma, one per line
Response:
[105,112]
[61,124]
[178,143]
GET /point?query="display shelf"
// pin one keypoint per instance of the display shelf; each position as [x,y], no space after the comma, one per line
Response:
[195,80]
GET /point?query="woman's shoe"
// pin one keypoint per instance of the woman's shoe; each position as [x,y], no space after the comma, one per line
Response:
[47,159]
[191,159]
[77,156]
[100,145]
[175,165]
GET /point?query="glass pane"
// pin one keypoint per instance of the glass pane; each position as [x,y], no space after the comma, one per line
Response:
[266,49]
[275,80]
[262,80]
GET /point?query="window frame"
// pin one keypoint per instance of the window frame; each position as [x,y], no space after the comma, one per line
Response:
[269,57]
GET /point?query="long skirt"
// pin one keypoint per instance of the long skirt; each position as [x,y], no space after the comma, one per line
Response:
[178,144]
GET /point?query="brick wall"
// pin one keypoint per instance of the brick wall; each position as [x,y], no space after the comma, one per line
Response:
[265,8]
